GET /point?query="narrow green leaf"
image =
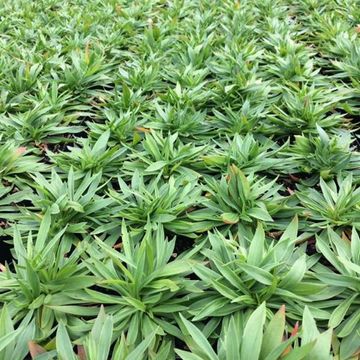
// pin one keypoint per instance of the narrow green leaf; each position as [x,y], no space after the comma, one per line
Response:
[63,344]
[274,333]
[253,334]
[198,337]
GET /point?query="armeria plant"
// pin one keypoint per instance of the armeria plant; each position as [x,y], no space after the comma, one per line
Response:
[336,203]
[242,273]
[153,203]
[238,198]
[144,286]
[245,336]
[323,155]
[42,279]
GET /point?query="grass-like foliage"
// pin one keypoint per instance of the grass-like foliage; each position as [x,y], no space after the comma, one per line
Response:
[180,179]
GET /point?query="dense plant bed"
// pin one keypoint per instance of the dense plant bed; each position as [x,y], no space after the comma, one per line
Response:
[180,179]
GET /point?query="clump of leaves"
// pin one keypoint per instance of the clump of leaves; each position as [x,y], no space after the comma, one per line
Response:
[303,108]
[184,121]
[73,203]
[342,252]
[43,278]
[239,198]
[37,125]
[123,126]
[11,200]
[97,344]
[144,286]
[155,202]
[249,118]
[337,203]
[249,154]
[323,155]
[245,272]
[85,71]
[15,161]
[14,339]
[289,60]
[95,158]
[245,336]
[166,154]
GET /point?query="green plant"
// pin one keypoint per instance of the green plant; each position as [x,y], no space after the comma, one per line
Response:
[166,154]
[16,162]
[37,125]
[155,202]
[95,158]
[14,341]
[187,122]
[323,155]
[343,255]
[239,198]
[336,204]
[244,272]
[42,279]
[73,203]
[246,337]
[302,108]
[10,201]
[97,344]
[249,154]
[248,118]
[85,72]
[144,287]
